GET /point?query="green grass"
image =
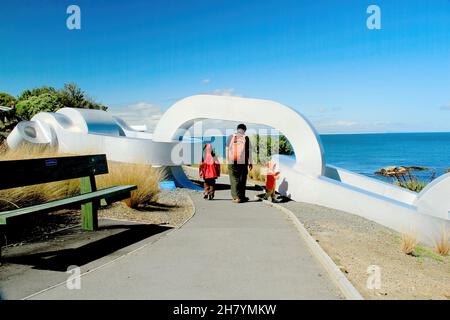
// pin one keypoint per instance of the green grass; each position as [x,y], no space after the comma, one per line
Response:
[423,252]
[414,185]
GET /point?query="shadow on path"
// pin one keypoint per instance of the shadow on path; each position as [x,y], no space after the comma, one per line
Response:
[225,186]
[60,260]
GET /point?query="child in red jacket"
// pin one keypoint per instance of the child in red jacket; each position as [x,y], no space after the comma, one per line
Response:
[209,170]
[271,178]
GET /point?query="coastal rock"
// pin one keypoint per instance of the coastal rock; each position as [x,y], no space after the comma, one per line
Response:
[397,171]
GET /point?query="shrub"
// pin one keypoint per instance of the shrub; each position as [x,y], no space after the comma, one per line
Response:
[8,120]
[48,102]
[7,100]
[405,178]
[408,243]
[442,245]
[263,147]
[144,176]
[414,185]
[73,97]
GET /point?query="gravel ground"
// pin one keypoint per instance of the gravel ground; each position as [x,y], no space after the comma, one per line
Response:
[355,243]
[173,209]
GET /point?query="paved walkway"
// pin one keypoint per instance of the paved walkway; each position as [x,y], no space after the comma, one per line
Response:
[226,251]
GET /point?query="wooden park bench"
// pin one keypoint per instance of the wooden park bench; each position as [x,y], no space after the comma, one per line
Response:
[20,173]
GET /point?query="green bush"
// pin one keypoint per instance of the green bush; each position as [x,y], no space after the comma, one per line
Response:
[48,102]
[413,185]
[264,147]
[27,94]
[7,100]
[72,96]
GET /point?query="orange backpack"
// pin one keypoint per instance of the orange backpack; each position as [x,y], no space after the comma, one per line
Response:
[236,149]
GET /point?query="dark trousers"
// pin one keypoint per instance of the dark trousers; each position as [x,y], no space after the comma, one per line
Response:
[210,187]
[238,180]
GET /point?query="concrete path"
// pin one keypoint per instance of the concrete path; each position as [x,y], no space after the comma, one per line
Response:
[226,251]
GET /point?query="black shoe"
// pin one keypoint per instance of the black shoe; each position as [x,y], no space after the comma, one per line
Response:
[205,196]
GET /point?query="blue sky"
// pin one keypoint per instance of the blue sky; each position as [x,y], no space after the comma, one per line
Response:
[317,56]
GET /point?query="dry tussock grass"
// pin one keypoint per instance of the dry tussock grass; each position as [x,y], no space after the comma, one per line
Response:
[442,245]
[143,176]
[408,242]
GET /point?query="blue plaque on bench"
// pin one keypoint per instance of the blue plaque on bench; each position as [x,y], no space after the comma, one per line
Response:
[167,185]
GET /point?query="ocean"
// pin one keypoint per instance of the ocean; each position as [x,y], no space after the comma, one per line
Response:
[367,153]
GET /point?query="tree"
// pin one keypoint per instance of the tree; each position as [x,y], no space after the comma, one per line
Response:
[46,102]
[7,100]
[285,146]
[8,119]
[73,97]
[26,94]
[49,99]
[265,146]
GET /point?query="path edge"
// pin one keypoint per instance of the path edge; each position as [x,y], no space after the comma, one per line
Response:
[194,210]
[336,275]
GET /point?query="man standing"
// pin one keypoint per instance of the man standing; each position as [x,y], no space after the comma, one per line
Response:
[239,160]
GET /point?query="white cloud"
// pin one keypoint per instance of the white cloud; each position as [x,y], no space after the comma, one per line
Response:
[226,92]
[445,108]
[330,120]
[327,125]
[344,123]
[142,113]
[329,110]
[206,81]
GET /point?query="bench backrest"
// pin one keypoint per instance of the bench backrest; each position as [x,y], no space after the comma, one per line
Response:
[19,173]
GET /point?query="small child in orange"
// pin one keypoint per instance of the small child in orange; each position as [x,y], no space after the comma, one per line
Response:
[271,178]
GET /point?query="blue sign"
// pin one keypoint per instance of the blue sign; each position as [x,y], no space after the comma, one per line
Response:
[167,185]
[51,162]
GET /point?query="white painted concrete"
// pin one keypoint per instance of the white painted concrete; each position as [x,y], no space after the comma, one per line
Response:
[93,131]
[376,186]
[300,133]
[434,199]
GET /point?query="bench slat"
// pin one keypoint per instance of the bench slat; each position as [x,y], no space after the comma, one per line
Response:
[115,192]
[19,173]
